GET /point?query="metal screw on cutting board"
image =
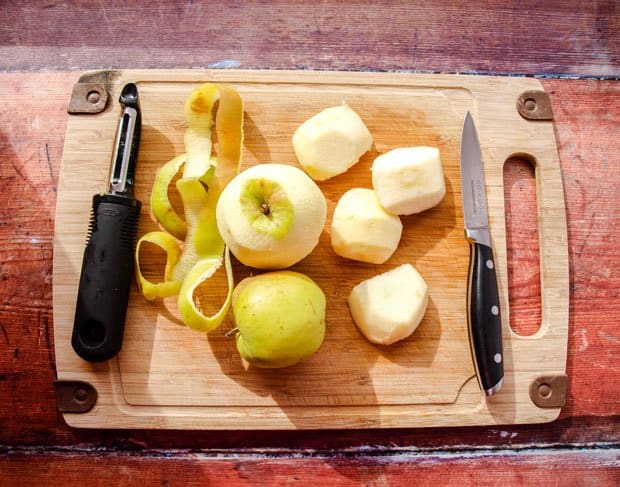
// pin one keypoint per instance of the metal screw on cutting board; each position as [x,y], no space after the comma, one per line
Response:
[530,104]
[93,97]
[80,395]
[544,390]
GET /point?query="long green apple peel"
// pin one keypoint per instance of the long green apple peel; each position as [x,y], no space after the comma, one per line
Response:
[160,203]
[204,177]
[170,286]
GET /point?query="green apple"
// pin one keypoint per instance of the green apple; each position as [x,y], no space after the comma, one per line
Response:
[271,216]
[279,318]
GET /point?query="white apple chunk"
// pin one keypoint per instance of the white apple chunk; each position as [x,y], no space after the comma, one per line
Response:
[331,141]
[362,229]
[390,306]
[271,216]
[409,180]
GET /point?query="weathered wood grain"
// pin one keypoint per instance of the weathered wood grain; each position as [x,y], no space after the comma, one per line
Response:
[591,173]
[483,468]
[574,37]
[32,115]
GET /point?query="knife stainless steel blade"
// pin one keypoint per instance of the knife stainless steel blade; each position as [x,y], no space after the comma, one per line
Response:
[483,311]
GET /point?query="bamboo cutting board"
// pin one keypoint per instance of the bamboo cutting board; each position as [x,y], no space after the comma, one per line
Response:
[168,376]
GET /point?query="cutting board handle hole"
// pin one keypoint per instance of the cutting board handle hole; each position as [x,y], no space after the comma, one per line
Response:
[522,242]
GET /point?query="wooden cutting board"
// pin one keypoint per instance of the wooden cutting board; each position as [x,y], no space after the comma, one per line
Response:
[168,376]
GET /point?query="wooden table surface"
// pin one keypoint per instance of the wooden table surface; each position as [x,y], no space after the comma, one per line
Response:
[573,46]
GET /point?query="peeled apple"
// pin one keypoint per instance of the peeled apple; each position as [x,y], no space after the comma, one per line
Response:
[362,230]
[408,180]
[331,141]
[279,318]
[271,216]
[390,306]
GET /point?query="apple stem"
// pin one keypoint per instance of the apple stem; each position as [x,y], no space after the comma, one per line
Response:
[264,208]
[231,332]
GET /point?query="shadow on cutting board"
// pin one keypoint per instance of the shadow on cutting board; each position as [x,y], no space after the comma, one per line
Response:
[317,382]
[424,340]
[502,405]
[424,231]
[156,149]
[254,141]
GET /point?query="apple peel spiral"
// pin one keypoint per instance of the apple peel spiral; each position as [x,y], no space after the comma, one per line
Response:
[203,179]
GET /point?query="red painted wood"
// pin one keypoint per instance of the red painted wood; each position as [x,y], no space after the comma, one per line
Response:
[579,38]
[589,148]
[522,244]
[576,37]
[554,468]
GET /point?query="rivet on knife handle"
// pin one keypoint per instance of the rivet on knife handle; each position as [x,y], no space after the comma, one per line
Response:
[483,311]
[107,266]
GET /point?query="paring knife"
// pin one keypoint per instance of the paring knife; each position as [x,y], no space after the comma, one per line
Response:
[107,267]
[483,312]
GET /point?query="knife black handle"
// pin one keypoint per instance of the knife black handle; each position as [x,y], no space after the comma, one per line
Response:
[107,269]
[485,325]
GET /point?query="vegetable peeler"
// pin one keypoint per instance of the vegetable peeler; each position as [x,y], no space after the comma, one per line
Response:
[108,262]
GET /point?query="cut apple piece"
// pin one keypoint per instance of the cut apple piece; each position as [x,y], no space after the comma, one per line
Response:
[331,141]
[390,306]
[409,180]
[362,229]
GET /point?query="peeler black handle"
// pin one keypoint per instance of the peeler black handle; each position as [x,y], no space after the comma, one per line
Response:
[107,270]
